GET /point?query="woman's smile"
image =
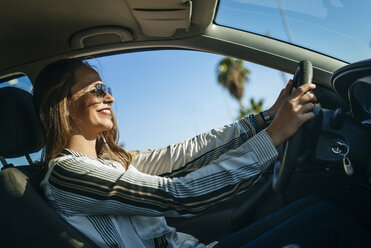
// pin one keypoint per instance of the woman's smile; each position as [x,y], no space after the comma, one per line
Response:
[105,111]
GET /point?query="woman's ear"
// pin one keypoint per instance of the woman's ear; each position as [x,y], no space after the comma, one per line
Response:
[68,110]
[71,120]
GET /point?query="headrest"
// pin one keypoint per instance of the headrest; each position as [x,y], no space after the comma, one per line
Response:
[20,128]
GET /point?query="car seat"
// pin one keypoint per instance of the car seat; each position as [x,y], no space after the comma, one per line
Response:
[26,220]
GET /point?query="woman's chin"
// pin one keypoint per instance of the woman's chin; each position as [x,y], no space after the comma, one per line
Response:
[106,128]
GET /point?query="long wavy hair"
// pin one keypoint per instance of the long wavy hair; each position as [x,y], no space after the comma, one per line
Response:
[52,93]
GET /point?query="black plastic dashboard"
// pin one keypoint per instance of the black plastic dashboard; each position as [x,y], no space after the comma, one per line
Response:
[343,135]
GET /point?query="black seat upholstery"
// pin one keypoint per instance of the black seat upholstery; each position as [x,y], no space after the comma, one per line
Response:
[26,220]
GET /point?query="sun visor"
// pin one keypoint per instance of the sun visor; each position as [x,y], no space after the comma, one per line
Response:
[162,18]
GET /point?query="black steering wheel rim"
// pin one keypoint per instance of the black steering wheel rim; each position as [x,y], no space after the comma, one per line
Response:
[291,148]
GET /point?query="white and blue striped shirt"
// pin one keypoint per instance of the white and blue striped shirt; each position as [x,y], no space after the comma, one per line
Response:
[115,207]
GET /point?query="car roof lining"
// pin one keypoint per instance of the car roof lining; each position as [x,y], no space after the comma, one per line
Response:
[250,47]
[35,33]
[202,35]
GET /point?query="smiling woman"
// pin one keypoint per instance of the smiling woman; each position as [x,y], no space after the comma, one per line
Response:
[79,132]
[73,111]
[90,106]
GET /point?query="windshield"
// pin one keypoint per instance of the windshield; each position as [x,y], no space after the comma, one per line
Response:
[335,27]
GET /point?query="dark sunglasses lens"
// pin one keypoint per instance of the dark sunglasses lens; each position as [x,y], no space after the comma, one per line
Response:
[102,90]
[109,90]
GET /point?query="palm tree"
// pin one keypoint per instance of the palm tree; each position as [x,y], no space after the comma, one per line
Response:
[233,76]
[255,107]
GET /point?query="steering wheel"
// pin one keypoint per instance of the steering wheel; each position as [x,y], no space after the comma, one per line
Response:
[291,148]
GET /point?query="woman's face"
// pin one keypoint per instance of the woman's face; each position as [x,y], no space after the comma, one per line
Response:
[91,114]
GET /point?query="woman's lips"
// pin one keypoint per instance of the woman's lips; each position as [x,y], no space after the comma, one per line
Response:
[105,111]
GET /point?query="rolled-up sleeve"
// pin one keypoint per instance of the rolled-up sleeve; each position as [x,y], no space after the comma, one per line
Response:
[185,157]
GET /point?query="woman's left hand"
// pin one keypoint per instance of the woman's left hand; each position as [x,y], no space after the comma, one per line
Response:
[284,94]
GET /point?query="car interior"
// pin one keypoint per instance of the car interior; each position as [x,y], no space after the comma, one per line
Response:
[330,155]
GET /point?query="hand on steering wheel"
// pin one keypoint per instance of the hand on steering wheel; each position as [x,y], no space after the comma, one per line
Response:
[293,112]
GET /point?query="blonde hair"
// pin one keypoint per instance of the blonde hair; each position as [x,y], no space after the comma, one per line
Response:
[52,93]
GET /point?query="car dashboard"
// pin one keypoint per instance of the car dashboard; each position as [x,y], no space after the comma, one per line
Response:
[339,138]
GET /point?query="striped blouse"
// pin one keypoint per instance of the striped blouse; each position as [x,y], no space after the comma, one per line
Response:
[115,207]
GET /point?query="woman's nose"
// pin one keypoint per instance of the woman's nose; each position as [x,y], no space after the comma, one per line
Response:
[108,98]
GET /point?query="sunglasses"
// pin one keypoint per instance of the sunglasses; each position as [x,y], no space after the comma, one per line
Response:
[101,90]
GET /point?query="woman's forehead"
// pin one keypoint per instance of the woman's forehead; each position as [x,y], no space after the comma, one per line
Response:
[84,76]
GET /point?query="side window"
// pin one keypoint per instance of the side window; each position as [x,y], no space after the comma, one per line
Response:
[164,97]
[21,82]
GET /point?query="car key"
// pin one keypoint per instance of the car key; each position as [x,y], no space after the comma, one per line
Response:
[343,149]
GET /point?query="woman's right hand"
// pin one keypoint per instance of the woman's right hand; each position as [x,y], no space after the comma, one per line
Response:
[293,112]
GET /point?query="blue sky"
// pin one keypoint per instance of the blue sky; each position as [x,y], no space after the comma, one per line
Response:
[333,27]
[164,97]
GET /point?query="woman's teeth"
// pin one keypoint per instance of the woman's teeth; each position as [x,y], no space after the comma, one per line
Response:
[105,111]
